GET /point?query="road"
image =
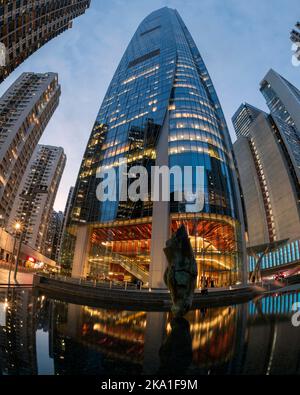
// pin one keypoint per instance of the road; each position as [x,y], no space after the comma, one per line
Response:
[22,278]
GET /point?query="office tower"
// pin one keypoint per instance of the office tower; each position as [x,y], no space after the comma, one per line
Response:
[36,195]
[25,26]
[68,206]
[53,240]
[270,187]
[25,110]
[243,119]
[160,109]
[283,99]
[65,219]
[268,161]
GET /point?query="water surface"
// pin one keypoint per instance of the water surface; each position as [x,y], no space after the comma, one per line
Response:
[39,335]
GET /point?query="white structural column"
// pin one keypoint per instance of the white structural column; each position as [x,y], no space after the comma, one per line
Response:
[160,217]
[81,251]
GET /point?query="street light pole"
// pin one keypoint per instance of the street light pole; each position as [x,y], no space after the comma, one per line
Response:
[11,260]
[18,256]
[28,196]
[1,227]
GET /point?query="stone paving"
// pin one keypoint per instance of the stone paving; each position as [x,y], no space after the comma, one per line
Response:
[22,278]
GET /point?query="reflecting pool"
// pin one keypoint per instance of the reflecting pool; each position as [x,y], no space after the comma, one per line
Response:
[39,335]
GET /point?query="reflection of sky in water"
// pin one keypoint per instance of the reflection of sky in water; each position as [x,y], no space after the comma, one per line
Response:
[44,362]
[42,336]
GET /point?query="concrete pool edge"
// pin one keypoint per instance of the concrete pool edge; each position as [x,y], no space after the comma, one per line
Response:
[156,300]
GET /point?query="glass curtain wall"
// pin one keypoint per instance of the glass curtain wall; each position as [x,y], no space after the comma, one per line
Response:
[161,78]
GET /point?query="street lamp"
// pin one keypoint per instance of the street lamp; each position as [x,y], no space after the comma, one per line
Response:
[18,226]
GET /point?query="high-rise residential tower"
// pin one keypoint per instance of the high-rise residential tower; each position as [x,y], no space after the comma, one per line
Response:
[25,110]
[25,26]
[160,109]
[33,205]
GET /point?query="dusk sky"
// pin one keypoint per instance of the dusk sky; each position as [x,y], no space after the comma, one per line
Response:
[239,40]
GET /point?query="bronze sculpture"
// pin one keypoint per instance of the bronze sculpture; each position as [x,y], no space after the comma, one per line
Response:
[181,273]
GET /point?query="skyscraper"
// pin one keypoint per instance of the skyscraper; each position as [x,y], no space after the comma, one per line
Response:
[65,219]
[53,239]
[25,110]
[36,195]
[268,159]
[243,119]
[283,100]
[160,109]
[25,26]
[270,188]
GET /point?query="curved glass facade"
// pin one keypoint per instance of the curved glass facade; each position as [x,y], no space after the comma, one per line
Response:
[161,81]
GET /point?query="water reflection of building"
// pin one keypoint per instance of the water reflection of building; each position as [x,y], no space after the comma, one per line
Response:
[226,340]
[213,335]
[17,336]
[69,354]
[104,341]
[254,338]
[130,342]
[242,339]
[272,343]
[213,340]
